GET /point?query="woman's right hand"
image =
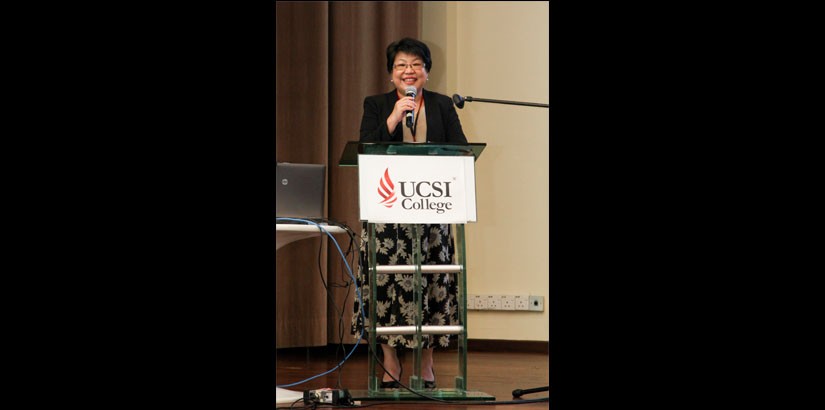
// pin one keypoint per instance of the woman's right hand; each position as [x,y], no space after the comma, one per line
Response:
[401,107]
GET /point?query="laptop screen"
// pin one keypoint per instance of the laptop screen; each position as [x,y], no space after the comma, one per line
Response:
[299,190]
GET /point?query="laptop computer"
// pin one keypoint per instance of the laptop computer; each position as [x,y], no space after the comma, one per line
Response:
[299,190]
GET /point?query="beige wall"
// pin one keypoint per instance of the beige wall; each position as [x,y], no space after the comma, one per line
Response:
[501,50]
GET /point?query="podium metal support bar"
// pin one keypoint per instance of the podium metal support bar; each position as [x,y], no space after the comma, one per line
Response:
[416,381]
[461,379]
[425,269]
[372,384]
[425,330]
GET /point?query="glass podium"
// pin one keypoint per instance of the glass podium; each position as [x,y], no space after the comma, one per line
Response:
[460,390]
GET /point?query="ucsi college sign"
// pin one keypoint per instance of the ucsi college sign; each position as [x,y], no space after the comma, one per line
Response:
[416,189]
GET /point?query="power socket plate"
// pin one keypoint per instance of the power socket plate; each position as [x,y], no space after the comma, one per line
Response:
[536,303]
[508,302]
[521,302]
[493,302]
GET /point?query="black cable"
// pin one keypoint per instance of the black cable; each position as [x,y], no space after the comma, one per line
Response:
[322,230]
[291,406]
[451,403]
[349,253]
[332,302]
[341,334]
[346,285]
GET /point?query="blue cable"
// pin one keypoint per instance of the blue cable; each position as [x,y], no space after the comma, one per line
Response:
[357,292]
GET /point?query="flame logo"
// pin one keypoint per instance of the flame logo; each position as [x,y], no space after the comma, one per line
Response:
[386,189]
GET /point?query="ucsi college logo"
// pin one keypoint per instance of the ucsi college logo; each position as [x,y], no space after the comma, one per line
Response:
[418,195]
[386,189]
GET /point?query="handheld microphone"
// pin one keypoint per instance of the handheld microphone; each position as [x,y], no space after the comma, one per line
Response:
[411,91]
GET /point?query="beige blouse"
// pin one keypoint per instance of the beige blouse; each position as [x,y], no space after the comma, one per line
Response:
[420,125]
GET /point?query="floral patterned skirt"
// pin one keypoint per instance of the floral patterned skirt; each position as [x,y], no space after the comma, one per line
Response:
[394,298]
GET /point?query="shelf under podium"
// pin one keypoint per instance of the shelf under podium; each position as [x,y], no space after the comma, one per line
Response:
[288,233]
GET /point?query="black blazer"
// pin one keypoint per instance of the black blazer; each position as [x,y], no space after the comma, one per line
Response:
[442,120]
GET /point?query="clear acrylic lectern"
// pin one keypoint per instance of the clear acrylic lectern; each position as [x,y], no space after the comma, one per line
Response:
[352,151]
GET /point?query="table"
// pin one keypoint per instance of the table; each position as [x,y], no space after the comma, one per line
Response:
[285,234]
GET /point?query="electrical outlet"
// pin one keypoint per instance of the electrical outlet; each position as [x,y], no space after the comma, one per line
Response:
[521,302]
[493,302]
[508,302]
[481,302]
[536,303]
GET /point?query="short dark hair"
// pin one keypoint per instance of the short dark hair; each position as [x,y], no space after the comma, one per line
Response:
[409,46]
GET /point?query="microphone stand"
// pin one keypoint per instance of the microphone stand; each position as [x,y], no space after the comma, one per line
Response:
[459,101]
[519,392]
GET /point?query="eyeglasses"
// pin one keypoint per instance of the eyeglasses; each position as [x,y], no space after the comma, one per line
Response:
[403,66]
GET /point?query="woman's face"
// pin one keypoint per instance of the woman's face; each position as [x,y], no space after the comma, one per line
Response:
[408,69]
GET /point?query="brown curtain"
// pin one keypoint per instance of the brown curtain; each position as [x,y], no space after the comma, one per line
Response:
[328,57]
